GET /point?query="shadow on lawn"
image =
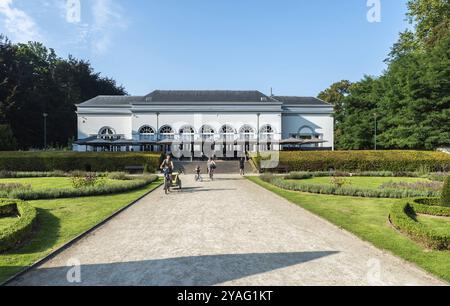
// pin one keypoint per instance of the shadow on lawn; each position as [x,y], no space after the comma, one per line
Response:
[182,271]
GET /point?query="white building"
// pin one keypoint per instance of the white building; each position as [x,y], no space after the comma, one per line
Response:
[200,121]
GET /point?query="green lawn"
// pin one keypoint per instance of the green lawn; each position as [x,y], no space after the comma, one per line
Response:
[441,225]
[6,221]
[368,219]
[363,182]
[42,183]
[61,220]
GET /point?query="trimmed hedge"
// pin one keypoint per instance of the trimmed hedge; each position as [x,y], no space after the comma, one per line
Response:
[346,190]
[430,207]
[403,217]
[445,200]
[19,230]
[397,161]
[46,194]
[71,161]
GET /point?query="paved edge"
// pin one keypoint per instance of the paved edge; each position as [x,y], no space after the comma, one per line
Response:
[67,245]
[356,237]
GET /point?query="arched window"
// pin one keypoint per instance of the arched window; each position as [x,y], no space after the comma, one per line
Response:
[267,129]
[306,132]
[146,133]
[207,132]
[146,130]
[247,132]
[107,133]
[227,129]
[187,129]
[167,132]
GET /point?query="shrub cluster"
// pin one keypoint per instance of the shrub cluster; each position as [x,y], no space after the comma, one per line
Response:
[70,161]
[83,192]
[403,217]
[20,230]
[346,190]
[395,161]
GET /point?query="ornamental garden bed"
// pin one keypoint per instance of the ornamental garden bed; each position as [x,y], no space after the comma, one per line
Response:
[358,186]
[65,187]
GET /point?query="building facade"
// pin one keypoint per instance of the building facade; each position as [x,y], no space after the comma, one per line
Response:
[199,121]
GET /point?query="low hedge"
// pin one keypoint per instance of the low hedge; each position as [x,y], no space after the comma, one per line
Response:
[396,161]
[430,207]
[445,200]
[70,161]
[45,194]
[19,230]
[403,217]
[346,190]
[300,175]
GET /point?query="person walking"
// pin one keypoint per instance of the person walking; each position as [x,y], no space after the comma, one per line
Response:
[242,166]
[212,166]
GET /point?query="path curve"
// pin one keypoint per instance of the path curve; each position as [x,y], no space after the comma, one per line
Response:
[226,232]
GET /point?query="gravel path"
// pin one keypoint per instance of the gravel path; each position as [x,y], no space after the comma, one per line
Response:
[226,232]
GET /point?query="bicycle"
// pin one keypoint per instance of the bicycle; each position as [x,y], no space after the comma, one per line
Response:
[167,180]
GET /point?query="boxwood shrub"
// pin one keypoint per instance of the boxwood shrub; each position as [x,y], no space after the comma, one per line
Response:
[403,217]
[46,194]
[70,161]
[430,206]
[20,230]
[396,161]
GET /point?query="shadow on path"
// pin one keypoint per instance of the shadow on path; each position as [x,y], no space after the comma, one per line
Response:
[183,271]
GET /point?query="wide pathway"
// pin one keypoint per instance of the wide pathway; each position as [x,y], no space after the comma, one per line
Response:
[226,232]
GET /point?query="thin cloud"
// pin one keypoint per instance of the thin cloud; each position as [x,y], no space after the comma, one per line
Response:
[108,18]
[18,24]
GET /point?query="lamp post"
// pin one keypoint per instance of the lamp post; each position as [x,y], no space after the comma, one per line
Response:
[376,129]
[45,115]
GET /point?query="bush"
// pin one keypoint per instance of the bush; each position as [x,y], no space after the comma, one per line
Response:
[86,181]
[83,192]
[119,176]
[19,230]
[445,200]
[343,190]
[394,161]
[71,161]
[12,174]
[403,217]
[430,207]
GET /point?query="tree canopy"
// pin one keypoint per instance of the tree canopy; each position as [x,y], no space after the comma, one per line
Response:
[34,81]
[410,102]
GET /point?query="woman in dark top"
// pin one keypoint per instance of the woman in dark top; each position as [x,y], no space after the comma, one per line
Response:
[242,165]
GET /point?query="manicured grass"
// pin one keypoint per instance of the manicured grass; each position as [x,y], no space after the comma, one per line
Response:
[6,222]
[368,219]
[440,224]
[61,220]
[42,183]
[364,182]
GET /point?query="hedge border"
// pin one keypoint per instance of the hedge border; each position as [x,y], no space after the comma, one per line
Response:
[345,190]
[20,230]
[430,207]
[402,217]
[65,193]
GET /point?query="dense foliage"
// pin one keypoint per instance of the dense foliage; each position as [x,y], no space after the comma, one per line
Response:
[358,161]
[19,230]
[69,161]
[409,104]
[34,81]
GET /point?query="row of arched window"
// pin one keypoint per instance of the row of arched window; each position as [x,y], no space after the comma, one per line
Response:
[206,130]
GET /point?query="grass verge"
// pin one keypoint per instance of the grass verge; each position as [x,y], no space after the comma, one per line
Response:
[367,218]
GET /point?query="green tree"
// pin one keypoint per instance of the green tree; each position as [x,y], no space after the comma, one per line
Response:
[7,141]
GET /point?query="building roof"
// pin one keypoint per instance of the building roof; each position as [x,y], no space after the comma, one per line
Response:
[113,101]
[301,101]
[201,96]
[207,96]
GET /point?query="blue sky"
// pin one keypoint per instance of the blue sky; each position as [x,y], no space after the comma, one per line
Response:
[298,47]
